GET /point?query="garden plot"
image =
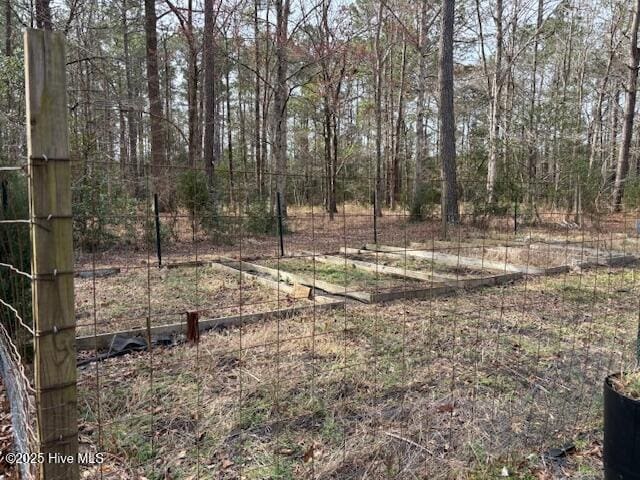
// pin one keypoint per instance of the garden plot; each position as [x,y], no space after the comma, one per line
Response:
[550,255]
[122,302]
[513,257]
[437,272]
[340,278]
[453,271]
[357,276]
[590,253]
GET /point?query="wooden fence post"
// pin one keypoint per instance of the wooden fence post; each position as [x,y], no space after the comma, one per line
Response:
[52,254]
[193,329]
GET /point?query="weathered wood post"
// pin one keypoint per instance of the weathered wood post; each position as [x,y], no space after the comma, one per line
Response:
[193,329]
[52,254]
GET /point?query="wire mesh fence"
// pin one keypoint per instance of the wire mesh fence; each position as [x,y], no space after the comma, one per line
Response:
[334,343]
[487,353]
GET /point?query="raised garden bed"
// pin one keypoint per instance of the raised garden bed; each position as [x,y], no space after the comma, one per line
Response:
[122,302]
[434,269]
[344,275]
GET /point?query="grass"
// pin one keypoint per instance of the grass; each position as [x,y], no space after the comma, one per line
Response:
[342,275]
[450,388]
[628,384]
[123,301]
[420,265]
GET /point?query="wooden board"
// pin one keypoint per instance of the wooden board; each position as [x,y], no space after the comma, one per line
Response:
[292,278]
[234,269]
[103,341]
[373,268]
[439,277]
[443,289]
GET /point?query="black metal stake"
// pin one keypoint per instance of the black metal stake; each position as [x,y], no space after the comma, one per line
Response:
[515,217]
[157,212]
[280,231]
[375,218]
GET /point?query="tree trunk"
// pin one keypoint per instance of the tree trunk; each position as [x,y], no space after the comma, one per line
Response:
[379,72]
[167,98]
[6,134]
[208,60]
[450,212]
[329,200]
[622,167]
[192,93]
[421,131]
[596,131]
[229,135]
[158,160]
[266,112]
[122,135]
[280,99]
[43,14]
[132,157]
[8,29]
[534,116]
[243,132]
[609,163]
[257,152]
[8,48]
[494,124]
[395,164]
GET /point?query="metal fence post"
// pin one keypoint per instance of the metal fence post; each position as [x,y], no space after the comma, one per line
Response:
[156,209]
[375,217]
[280,229]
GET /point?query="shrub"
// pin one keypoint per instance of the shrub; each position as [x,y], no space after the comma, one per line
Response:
[631,199]
[260,220]
[15,249]
[193,195]
[103,212]
[167,233]
[426,196]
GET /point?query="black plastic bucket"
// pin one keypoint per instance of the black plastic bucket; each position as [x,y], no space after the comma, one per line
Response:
[621,454]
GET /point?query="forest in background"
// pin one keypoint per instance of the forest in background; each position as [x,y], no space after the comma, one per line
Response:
[217,105]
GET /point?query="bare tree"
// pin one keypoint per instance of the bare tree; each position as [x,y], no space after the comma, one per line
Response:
[194,135]
[596,130]
[258,158]
[43,14]
[280,99]
[622,167]
[496,95]
[158,158]
[208,60]
[132,153]
[379,72]
[8,45]
[395,180]
[450,213]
